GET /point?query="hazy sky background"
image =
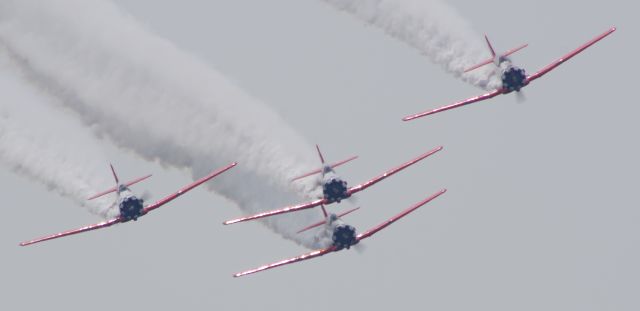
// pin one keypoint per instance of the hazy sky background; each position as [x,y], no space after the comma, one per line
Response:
[540,212]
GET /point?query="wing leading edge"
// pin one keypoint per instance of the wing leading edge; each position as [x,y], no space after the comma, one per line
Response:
[456,105]
[101,225]
[321,252]
[365,185]
[568,56]
[188,188]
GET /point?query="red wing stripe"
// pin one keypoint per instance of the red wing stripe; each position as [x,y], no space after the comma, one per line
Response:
[103,224]
[288,209]
[188,188]
[571,54]
[313,254]
[371,182]
[455,105]
[395,218]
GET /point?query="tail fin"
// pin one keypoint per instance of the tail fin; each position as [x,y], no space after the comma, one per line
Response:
[114,174]
[320,155]
[493,53]
[496,59]
[114,189]
[320,223]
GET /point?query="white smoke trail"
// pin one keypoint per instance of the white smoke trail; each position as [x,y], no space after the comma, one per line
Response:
[149,97]
[430,26]
[43,144]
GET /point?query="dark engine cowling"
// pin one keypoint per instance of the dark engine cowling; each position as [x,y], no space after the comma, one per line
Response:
[131,208]
[335,190]
[344,236]
[513,79]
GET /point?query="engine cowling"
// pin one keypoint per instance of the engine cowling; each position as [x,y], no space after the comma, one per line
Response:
[344,236]
[513,78]
[335,190]
[131,208]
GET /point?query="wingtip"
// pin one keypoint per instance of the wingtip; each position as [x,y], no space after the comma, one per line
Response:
[231,222]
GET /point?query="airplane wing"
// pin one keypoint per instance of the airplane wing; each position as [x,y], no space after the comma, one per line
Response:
[313,254]
[455,105]
[393,219]
[565,58]
[386,174]
[103,224]
[186,189]
[287,209]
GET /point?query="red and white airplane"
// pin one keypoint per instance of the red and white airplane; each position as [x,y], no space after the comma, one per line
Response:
[131,207]
[340,235]
[513,78]
[334,188]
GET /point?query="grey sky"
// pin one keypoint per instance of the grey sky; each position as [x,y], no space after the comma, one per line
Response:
[539,212]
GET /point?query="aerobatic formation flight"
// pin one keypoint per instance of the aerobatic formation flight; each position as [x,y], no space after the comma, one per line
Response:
[130,206]
[332,234]
[513,78]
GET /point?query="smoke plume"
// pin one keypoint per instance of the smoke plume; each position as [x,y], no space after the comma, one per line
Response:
[430,26]
[147,96]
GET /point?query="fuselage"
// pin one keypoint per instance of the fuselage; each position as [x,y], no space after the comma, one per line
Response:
[131,207]
[334,189]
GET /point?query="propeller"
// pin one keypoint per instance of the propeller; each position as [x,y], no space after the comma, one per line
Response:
[146,195]
[360,248]
[520,98]
[353,200]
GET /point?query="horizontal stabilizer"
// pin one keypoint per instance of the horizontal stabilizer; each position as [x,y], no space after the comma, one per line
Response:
[333,165]
[320,223]
[495,59]
[114,189]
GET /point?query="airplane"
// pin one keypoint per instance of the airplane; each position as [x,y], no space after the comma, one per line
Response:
[340,235]
[131,207]
[513,78]
[334,188]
